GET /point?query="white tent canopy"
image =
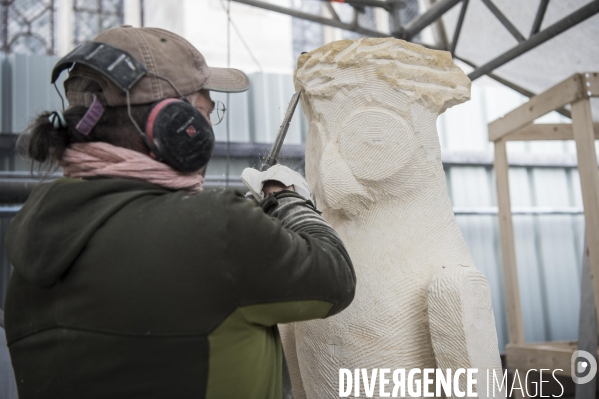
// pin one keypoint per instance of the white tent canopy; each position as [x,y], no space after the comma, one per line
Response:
[483,38]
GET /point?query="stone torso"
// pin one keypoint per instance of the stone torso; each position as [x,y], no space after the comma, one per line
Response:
[373,160]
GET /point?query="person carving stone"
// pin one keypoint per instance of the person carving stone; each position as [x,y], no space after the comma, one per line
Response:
[373,161]
[131,280]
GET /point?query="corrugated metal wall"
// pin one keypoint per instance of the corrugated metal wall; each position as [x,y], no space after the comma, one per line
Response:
[548,246]
[548,243]
[26,90]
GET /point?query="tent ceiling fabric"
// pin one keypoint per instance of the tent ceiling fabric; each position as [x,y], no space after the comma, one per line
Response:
[483,38]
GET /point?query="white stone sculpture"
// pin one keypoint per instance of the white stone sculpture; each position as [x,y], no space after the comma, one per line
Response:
[373,160]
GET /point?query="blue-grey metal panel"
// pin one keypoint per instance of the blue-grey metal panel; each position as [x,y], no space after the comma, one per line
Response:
[464,124]
[6,79]
[546,246]
[530,271]
[217,168]
[269,97]
[562,276]
[480,233]
[32,92]
[546,251]
[238,114]
[532,290]
[575,194]
[8,386]
[559,254]
[472,187]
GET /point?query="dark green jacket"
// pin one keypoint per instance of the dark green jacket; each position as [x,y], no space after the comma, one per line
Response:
[123,289]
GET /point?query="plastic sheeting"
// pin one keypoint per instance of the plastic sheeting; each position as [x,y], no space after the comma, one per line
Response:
[483,38]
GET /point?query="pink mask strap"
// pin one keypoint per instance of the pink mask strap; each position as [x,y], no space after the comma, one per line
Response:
[91,117]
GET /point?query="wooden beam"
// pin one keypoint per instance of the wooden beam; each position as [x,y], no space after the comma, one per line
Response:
[591,84]
[563,93]
[549,355]
[582,122]
[508,250]
[587,324]
[547,131]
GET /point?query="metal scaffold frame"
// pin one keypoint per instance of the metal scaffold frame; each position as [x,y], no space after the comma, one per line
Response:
[432,15]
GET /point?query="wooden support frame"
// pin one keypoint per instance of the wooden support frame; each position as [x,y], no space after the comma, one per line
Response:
[547,131]
[576,87]
[508,249]
[517,126]
[582,123]
[555,356]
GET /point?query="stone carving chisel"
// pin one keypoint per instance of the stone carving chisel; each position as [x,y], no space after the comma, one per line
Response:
[273,156]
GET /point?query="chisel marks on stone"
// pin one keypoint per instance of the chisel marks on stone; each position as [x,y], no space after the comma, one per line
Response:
[373,160]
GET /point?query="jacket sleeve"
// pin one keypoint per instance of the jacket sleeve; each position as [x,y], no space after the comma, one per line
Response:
[293,265]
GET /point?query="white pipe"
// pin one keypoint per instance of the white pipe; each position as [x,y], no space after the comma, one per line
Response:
[64,27]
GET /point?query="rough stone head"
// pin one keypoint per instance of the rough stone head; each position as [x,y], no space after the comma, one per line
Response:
[372,106]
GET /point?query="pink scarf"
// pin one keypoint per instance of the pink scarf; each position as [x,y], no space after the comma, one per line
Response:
[103,159]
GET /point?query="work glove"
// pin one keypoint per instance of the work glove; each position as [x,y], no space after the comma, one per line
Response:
[254,180]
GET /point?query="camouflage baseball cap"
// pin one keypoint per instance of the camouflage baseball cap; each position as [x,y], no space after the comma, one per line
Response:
[166,55]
